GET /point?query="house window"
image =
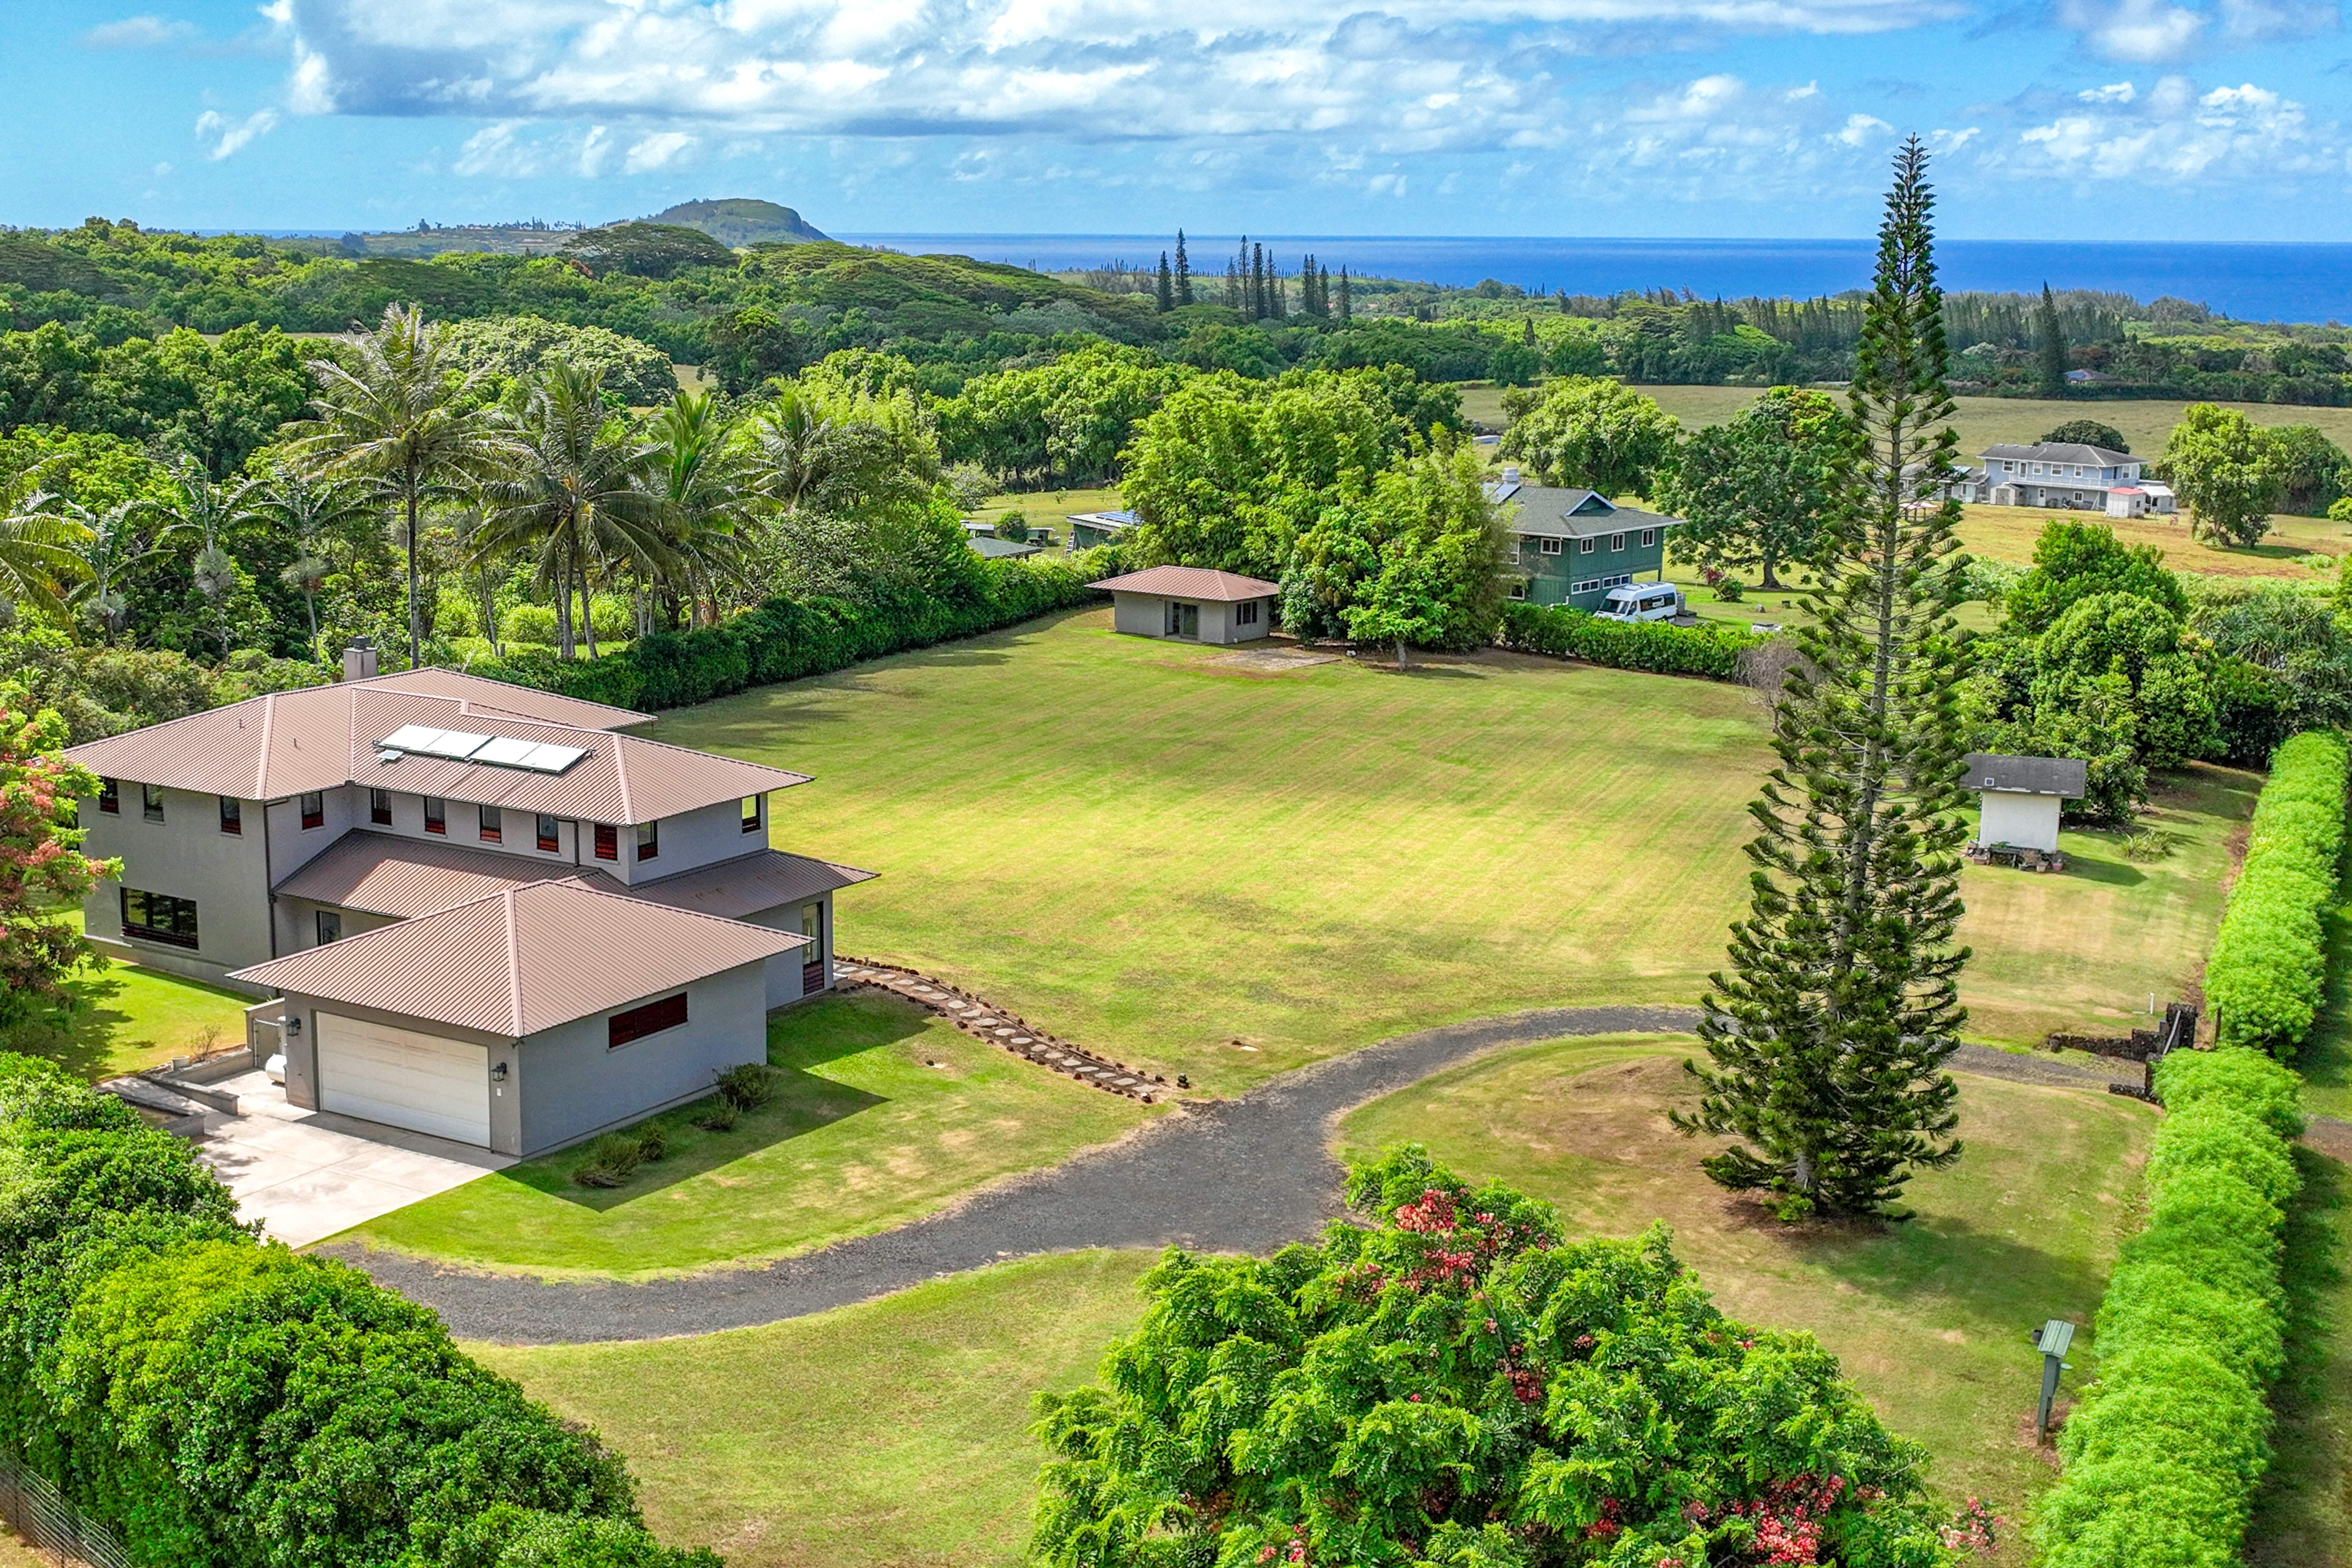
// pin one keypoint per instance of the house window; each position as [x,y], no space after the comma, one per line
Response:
[637,1023]
[1649,537]
[648,840]
[549,843]
[1587,546]
[331,926]
[159,916]
[751,804]
[1550,547]
[1518,590]
[1513,554]
[1245,614]
[491,823]
[436,815]
[608,842]
[151,802]
[110,797]
[232,815]
[314,809]
[1616,543]
[380,807]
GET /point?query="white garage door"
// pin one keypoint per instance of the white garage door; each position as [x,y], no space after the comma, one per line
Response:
[419,1081]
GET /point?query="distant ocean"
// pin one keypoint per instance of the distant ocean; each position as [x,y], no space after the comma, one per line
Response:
[2252,280]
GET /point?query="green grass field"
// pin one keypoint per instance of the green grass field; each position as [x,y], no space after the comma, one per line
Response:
[883,1114]
[128,1018]
[1928,1318]
[1225,874]
[894,1433]
[2303,1514]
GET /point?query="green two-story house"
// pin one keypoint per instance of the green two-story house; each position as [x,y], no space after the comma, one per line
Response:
[1571,546]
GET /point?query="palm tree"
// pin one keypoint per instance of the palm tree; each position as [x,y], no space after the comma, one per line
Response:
[407,417]
[706,485]
[209,508]
[581,495]
[314,512]
[113,542]
[39,551]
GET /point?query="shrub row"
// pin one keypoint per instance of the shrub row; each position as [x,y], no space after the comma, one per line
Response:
[785,639]
[2269,966]
[2164,1453]
[226,1404]
[1654,646]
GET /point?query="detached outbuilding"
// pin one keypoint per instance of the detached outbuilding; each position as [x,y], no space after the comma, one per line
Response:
[2020,800]
[1192,603]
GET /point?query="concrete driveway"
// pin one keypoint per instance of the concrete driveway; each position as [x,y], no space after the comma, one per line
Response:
[308,1174]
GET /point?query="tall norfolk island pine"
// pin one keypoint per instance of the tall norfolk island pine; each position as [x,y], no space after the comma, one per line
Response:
[1829,1034]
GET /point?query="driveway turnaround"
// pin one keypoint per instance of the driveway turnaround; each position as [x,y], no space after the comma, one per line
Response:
[1236,1175]
[308,1174]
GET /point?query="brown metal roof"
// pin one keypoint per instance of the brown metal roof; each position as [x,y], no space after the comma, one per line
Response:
[523,959]
[1191,583]
[383,874]
[487,696]
[325,736]
[749,883]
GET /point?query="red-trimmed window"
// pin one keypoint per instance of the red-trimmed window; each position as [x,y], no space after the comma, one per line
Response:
[436,815]
[648,840]
[110,797]
[608,842]
[549,841]
[232,815]
[492,824]
[652,1019]
[380,807]
[159,916]
[314,809]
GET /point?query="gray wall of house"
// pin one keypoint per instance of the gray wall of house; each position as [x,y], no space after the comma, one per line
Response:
[786,982]
[692,838]
[569,1082]
[293,846]
[187,856]
[298,923]
[517,831]
[1138,615]
[1146,615]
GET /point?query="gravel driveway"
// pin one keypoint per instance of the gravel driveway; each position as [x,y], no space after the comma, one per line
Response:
[1236,1175]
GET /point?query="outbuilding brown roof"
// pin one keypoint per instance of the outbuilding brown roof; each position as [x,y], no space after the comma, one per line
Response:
[291,742]
[523,959]
[749,883]
[381,874]
[1191,583]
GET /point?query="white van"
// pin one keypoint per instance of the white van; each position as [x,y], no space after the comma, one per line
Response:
[1642,602]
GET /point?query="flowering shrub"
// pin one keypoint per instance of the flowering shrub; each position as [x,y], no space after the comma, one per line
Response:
[2269,964]
[2164,1453]
[1460,1385]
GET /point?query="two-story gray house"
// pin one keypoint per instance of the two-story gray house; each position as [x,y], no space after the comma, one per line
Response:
[453,883]
[2065,474]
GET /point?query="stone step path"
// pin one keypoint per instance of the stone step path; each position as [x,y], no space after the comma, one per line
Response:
[992,1023]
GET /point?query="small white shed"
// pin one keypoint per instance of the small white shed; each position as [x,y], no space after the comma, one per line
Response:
[1191,603]
[2022,796]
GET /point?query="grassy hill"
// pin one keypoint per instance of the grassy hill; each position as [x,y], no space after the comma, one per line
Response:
[740,221]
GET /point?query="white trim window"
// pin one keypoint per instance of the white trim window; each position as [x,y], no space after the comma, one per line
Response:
[1551,547]
[1649,537]
[1588,545]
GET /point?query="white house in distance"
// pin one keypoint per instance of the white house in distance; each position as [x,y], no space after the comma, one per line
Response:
[2020,797]
[485,913]
[1191,603]
[2065,474]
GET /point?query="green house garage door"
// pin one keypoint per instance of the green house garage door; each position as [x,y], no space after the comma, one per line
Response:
[404,1078]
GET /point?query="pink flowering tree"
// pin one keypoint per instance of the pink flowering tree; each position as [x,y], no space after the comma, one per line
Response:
[1457,1384]
[43,873]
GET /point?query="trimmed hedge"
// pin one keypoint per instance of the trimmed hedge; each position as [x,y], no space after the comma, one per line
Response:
[2164,1453]
[224,1403]
[2269,966]
[1653,645]
[785,639]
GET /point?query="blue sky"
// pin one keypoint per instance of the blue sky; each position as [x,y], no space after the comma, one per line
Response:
[2052,119]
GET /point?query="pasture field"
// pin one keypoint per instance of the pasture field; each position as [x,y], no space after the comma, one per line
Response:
[1212,870]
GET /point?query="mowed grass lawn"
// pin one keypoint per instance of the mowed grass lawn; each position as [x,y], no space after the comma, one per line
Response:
[892,1433]
[1226,874]
[127,1018]
[1928,1318]
[882,1114]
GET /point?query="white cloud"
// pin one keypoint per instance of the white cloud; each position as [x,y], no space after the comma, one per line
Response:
[1861,129]
[140,33]
[2114,92]
[2149,30]
[1415,75]
[655,150]
[227,135]
[2176,135]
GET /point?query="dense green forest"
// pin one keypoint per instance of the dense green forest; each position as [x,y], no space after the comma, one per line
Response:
[774,307]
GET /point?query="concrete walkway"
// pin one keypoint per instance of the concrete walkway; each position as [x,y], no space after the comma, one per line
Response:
[1243,1176]
[310,1174]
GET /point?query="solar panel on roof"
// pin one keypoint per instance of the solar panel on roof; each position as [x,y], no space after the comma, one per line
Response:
[498,751]
[458,745]
[548,758]
[409,738]
[507,751]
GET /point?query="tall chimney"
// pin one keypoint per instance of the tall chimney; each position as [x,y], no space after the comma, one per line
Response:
[359,660]
[1511,475]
